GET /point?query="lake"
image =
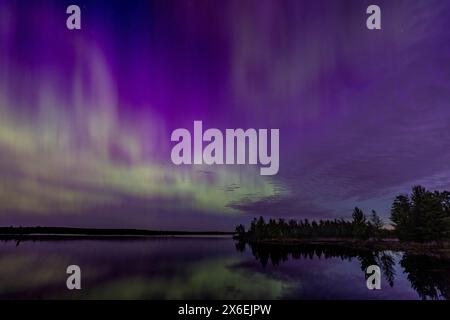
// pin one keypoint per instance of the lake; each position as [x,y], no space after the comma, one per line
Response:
[212,268]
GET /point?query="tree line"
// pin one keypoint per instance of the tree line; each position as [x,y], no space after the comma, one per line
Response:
[422,216]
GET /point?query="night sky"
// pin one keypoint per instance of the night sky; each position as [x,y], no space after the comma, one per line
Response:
[86,115]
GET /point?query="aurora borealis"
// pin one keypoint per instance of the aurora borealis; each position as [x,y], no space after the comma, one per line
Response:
[86,115]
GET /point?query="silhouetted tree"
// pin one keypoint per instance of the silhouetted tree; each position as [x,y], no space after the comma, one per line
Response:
[360,227]
[376,225]
[400,216]
[423,216]
[240,230]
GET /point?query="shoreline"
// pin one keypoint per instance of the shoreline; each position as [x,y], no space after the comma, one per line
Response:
[434,248]
[69,237]
[65,233]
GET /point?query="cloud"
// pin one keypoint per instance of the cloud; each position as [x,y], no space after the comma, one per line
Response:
[280,206]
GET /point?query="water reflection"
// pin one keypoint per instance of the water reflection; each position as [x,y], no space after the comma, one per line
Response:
[212,268]
[428,275]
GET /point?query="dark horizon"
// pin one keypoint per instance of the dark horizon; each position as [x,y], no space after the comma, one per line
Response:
[24,230]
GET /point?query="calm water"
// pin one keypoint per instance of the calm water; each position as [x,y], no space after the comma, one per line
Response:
[211,268]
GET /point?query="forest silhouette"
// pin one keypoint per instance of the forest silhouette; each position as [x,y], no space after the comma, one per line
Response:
[422,216]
